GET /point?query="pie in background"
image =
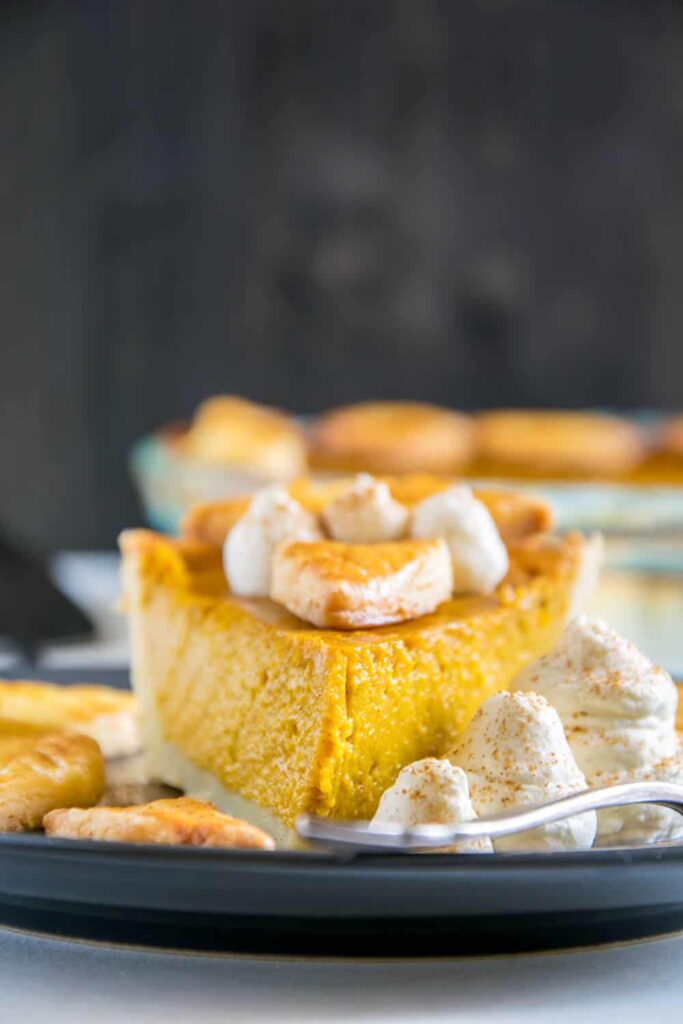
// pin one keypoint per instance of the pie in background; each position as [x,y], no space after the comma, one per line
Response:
[391,437]
[560,444]
[233,432]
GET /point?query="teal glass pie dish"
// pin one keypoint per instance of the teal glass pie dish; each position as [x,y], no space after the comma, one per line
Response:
[169,483]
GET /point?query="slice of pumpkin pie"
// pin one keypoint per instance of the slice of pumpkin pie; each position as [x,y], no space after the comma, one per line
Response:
[269,715]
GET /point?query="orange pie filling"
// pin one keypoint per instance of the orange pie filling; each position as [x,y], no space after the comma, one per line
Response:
[242,701]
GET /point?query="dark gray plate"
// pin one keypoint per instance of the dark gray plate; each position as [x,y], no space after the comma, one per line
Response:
[429,904]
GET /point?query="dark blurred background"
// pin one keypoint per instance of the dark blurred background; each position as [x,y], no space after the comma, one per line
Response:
[476,202]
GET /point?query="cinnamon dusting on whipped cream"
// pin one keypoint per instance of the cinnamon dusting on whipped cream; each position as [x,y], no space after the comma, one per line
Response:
[619,714]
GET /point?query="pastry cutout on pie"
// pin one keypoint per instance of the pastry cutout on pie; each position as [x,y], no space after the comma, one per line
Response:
[107,715]
[546,442]
[392,437]
[178,822]
[354,586]
[53,771]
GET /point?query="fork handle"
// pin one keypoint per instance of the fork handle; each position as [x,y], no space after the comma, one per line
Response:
[361,834]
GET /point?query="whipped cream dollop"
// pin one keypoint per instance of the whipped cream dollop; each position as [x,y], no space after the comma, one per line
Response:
[430,792]
[515,753]
[641,823]
[618,708]
[271,519]
[366,513]
[480,558]
[619,715]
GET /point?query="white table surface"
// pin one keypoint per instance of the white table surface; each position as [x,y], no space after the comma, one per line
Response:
[43,979]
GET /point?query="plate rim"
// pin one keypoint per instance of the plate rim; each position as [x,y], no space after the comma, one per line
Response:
[302,859]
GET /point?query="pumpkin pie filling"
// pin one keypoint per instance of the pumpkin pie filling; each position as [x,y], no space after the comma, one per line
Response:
[243,701]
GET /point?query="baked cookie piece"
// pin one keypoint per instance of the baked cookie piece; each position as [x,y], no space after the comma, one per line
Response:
[16,737]
[354,586]
[53,771]
[107,715]
[547,442]
[391,437]
[13,744]
[179,822]
[233,432]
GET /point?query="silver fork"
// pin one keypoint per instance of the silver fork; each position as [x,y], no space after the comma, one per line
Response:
[360,835]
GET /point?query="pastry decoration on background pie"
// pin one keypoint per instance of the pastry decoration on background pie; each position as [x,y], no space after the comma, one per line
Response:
[547,443]
[670,438]
[391,437]
[178,822]
[235,433]
[53,771]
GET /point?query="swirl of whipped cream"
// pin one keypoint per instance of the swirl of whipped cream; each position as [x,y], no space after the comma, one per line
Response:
[480,558]
[515,753]
[619,716]
[617,708]
[365,513]
[430,792]
[271,518]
